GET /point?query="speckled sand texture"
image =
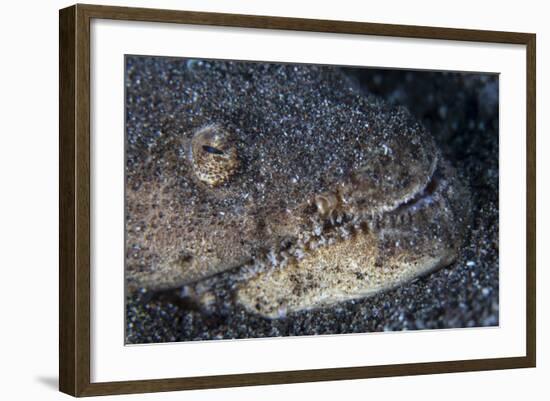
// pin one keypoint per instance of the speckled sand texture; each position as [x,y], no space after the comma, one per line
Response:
[461,110]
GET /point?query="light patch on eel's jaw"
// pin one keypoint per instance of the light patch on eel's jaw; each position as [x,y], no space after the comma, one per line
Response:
[377,254]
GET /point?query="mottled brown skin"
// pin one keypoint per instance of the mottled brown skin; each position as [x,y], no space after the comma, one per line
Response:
[297,196]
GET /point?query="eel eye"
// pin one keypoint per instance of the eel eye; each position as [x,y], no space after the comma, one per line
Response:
[213,155]
[212,150]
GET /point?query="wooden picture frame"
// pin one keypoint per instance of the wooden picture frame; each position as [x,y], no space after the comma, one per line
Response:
[74,200]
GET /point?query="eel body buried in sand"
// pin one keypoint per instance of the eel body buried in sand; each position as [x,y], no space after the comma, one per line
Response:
[284,186]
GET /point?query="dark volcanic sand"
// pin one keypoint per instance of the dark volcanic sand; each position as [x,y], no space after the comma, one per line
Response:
[461,110]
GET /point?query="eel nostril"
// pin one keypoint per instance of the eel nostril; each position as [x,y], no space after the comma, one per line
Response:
[326,203]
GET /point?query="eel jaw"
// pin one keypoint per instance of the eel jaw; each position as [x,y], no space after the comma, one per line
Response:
[356,262]
[343,255]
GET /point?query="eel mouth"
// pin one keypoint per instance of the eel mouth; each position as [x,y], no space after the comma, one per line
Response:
[338,211]
[355,258]
[333,221]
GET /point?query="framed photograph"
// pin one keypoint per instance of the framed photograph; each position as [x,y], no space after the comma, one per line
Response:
[250,200]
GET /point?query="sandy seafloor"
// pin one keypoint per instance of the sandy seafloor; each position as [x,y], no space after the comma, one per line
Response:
[461,110]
